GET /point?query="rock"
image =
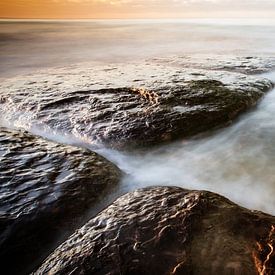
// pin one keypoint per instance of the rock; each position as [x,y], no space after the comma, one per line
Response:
[131,104]
[45,189]
[169,230]
[240,64]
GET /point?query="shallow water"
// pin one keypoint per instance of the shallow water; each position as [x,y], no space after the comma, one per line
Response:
[237,162]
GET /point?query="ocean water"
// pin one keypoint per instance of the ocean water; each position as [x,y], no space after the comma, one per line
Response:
[26,46]
[237,161]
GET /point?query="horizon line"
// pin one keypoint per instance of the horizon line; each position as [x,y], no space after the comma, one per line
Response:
[125,18]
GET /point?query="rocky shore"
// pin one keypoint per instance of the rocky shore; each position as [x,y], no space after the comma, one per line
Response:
[240,64]
[45,189]
[169,230]
[132,105]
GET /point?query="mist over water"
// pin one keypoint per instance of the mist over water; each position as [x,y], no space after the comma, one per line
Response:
[237,162]
[26,46]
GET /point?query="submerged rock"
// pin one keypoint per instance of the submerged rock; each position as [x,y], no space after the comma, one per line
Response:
[45,190]
[169,230]
[241,64]
[130,104]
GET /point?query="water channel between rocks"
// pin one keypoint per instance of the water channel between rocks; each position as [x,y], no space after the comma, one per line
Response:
[237,162]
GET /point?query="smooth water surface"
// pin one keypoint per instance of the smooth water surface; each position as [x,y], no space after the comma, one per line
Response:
[29,45]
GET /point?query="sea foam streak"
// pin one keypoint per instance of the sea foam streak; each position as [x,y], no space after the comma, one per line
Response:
[237,162]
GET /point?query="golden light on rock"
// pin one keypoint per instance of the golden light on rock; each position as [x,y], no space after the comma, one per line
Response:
[263,254]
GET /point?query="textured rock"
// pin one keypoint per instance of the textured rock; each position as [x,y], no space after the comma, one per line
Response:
[241,64]
[130,105]
[45,189]
[169,230]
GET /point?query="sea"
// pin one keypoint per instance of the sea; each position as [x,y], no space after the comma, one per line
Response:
[237,161]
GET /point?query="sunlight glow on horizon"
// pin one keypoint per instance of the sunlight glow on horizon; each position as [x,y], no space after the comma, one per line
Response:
[80,9]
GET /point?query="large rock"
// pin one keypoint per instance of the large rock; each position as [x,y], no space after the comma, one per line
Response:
[130,104]
[45,190]
[169,230]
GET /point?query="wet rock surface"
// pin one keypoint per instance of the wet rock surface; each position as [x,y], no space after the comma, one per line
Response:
[169,230]
[130,104]
[240,64]
[45,190]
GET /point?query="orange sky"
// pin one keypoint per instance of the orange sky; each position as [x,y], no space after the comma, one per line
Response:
[135,8]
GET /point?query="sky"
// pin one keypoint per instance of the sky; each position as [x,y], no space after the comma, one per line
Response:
[80,9]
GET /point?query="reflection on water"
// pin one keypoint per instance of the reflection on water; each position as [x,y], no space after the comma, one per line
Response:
[237,162]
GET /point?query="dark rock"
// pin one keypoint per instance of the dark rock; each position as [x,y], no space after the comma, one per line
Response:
[45,190]
[107,105]
[169,230]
